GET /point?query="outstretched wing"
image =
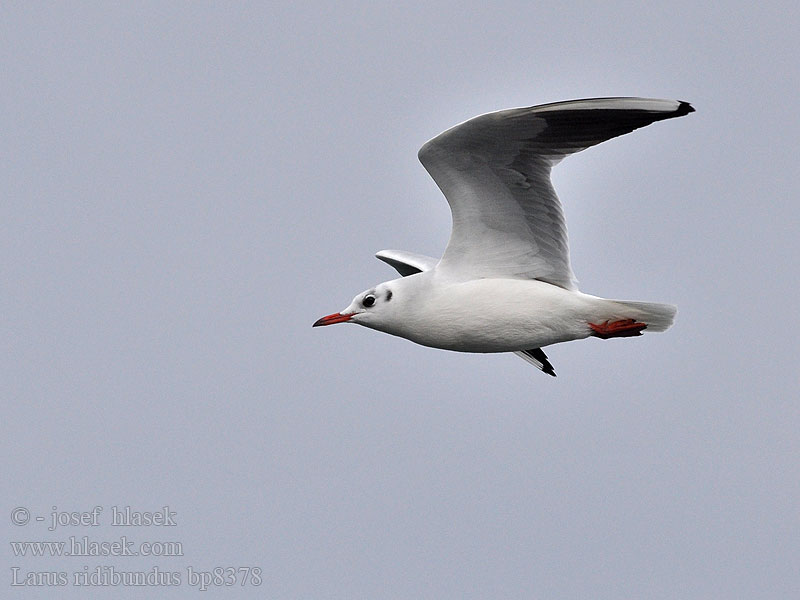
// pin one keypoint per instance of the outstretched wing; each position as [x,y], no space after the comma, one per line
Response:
[494,171]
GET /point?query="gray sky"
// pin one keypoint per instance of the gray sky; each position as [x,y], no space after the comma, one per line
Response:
[187,187]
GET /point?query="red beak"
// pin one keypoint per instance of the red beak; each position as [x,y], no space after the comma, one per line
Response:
[332,319]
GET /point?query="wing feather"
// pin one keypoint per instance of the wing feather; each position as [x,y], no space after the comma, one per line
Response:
[407,263]
[494,171]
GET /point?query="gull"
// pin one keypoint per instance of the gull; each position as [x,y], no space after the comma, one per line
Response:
[505,282]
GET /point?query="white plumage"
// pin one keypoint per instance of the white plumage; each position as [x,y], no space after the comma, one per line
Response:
[505,283]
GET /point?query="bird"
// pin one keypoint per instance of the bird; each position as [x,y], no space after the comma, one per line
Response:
[505,282]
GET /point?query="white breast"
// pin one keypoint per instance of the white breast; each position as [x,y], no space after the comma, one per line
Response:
[496,315]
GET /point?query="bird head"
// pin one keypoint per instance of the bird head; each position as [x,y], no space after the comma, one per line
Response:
[372,308]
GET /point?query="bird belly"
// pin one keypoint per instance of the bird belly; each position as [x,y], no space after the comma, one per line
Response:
[499,315]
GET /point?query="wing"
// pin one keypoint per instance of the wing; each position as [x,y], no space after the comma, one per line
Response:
[494,171]
[407,263]
[538,359]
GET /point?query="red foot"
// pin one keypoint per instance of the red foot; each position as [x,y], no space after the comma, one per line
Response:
[624,328]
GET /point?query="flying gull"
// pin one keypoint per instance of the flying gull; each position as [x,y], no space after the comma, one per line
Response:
[505,283]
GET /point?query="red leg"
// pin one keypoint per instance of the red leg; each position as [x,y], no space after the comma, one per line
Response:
[624,328]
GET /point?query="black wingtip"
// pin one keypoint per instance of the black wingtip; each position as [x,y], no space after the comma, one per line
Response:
[539,355]
[684,108]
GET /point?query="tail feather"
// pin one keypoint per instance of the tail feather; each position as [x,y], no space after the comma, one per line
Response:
[658,317]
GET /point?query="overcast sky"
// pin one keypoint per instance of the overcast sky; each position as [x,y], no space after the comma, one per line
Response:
[187,187]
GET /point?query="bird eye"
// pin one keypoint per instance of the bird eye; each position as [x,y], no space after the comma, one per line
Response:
[368,300]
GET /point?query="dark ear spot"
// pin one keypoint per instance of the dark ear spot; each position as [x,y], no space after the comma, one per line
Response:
[388,295]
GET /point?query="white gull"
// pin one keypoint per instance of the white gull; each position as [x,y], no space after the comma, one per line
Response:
[505,283]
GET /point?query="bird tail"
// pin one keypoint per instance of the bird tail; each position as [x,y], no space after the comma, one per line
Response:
[658,317]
